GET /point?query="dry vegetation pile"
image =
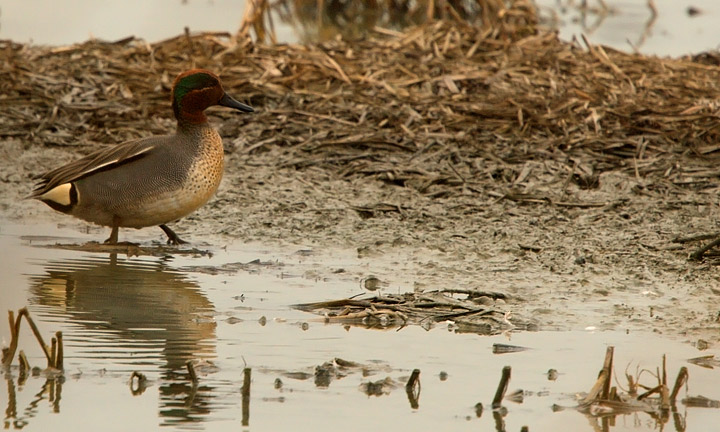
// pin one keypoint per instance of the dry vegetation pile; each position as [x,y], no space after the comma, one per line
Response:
[472,312]
[443,108]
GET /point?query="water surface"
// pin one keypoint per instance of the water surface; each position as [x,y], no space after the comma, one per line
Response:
[153,314]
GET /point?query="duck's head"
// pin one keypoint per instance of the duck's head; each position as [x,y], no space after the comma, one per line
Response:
[196,90]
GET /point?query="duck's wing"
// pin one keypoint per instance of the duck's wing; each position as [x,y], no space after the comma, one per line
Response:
[100,160]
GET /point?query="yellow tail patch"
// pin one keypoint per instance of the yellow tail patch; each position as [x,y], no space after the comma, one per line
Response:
[59,194]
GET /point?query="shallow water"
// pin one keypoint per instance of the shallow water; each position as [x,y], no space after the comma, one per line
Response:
[151,315]
[630,25]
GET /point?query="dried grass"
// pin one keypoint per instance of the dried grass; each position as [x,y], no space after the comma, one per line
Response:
[472,312]
[443,108]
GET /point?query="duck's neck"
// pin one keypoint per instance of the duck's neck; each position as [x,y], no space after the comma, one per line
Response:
[191,117]
[190,128]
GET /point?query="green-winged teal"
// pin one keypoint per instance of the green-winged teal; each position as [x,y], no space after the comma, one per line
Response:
[150,181]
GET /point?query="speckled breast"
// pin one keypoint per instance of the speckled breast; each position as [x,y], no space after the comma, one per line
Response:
[201,181]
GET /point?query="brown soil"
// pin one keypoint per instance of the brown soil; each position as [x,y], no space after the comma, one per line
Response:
[497,158]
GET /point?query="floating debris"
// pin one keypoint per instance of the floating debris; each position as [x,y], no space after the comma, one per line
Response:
[138,383]
[700,402]
[517,396]
[132,249]
[347,363]
[373,283]
[708,361]
[379,388]
[399,310]
[505,349]
[325,373]
[479,409]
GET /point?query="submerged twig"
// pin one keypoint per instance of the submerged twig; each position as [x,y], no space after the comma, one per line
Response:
[681,380]
[50,358]
[51,354]
[413,380]
[601,388]
[247,378]
[657,400]
[502,387]
[53,351]
[9,352]
[59,355]
[412,388]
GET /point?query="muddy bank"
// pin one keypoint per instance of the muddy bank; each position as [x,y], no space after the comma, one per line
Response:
[613,266]
[496,158]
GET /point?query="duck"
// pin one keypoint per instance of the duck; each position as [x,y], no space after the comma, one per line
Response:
[150,181]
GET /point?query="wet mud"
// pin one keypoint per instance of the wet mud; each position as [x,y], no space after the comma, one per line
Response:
[135,327]
[611,267]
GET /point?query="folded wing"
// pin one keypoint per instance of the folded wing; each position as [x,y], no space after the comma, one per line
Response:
[97,161]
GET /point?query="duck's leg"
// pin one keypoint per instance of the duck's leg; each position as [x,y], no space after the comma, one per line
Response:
[173,238]
[113,239]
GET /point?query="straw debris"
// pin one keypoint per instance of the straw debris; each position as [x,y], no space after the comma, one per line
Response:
[605,401]
[426,309]
[443,108]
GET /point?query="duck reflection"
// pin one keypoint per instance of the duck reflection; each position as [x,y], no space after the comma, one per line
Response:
[135,312]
